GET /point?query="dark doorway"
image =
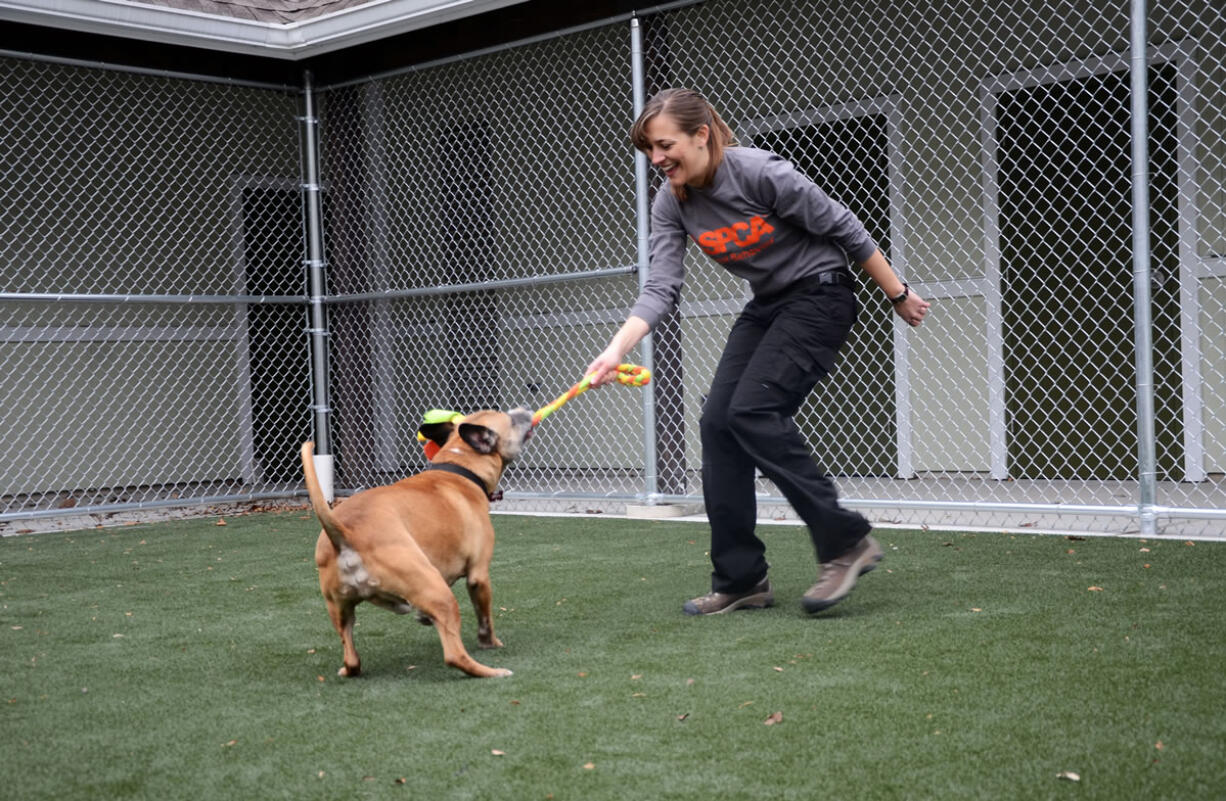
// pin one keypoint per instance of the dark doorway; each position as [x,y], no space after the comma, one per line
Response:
[278,356]
[472,343]
[1065,205]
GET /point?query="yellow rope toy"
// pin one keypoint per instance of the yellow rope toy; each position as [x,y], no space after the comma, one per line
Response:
[632,375]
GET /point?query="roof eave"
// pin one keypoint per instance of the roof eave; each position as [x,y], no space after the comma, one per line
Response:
[292,41]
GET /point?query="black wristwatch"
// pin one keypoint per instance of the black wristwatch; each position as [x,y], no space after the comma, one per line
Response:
[901,296]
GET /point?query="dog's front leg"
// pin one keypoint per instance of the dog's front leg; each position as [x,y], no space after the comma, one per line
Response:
[482,598]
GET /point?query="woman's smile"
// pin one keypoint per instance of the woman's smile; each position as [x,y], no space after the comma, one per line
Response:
[682,157]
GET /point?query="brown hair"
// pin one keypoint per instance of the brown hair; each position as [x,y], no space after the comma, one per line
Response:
[690,111]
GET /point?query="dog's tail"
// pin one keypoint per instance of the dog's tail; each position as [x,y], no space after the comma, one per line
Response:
[318,502]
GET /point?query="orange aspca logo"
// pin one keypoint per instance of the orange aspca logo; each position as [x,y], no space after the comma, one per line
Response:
[741,234]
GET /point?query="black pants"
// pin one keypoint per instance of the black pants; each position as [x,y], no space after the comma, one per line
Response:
[777,351]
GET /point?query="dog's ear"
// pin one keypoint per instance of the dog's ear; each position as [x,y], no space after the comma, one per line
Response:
[438,433]
[480,439]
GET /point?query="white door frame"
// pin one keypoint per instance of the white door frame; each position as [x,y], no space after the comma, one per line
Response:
[1191,269]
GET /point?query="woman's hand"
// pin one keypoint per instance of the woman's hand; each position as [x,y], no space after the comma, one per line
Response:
[605,366]
[912,308]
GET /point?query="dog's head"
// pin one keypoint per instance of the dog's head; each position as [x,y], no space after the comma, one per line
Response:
[486,432]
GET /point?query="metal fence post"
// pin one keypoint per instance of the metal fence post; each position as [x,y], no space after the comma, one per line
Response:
[642,216]
[317,291]
[1146,458]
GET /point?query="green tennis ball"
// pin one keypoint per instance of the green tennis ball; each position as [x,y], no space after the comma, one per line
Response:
[441,416]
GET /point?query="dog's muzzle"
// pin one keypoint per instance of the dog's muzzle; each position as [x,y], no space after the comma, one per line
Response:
[521,420]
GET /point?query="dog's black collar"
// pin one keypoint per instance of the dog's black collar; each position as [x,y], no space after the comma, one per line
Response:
[448,467]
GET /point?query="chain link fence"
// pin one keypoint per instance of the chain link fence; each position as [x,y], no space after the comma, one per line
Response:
[482,226]
[150,262]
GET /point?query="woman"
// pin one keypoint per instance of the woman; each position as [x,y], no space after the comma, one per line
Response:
[752,212]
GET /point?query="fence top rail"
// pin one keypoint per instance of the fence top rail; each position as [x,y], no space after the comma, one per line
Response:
[544,37]
[357,297]
[70,297]
[188,76]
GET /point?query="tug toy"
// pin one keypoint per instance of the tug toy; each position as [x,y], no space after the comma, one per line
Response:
[632,375]
[436,416]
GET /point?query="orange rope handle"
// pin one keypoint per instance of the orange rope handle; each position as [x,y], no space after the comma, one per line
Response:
[633,375]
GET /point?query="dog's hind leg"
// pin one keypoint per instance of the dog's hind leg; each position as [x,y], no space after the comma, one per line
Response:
[418,582]
[342,614]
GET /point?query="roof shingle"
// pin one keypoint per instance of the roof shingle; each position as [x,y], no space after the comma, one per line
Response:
[281,12]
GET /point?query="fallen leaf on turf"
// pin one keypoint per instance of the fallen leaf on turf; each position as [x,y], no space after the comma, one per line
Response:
[683,716]
[221,521]
[778,669]
[229,744]
[401,780]
[1145,550]
[1095,589]
[976,609]
[1158,745]
[1069,775]
[747,703]
[589,766]
[496,752]
[776,717]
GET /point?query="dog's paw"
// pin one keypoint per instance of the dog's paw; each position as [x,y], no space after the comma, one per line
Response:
[500,673]
[350,672]
[491,643]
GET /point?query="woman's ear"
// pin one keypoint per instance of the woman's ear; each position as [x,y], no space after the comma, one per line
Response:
[703,134]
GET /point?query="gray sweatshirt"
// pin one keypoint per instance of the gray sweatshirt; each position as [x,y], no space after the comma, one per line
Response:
[759,218]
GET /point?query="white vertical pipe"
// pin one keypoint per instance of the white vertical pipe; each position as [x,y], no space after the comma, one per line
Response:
[642,217]
[1146,446]
[317,294]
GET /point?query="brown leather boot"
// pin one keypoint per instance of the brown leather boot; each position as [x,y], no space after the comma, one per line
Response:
[716,603]
[838,576]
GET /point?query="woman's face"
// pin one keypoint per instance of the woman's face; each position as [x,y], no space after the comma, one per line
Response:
[682,157]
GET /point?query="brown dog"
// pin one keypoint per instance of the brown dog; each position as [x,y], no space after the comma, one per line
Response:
[402,546]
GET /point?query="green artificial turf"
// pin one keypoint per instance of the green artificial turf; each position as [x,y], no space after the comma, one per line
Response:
[189,660]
